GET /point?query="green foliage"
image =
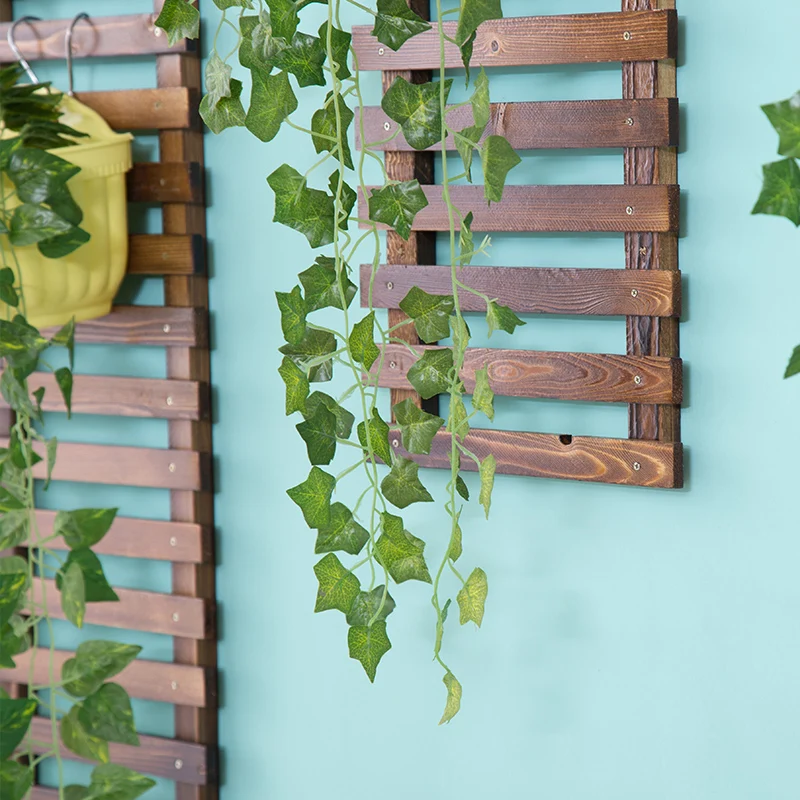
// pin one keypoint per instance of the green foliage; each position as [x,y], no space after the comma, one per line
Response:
[396,23]
[272,102]
[401,552]
[324,288]
[501,318]
[397,205]
[498,158]
[431,313]
[180,19]
[483,396]
[313,496]
[454,692]
[417,427]
[417,107]
[402,485]
[77,739]
[15,719]
[369,645]
[487,473]
[342,533]
[368,607]
[362,342]
[110,781]
[472,598]
[338,587]
[95,662]
[378,437]
[431,375]
[15,780]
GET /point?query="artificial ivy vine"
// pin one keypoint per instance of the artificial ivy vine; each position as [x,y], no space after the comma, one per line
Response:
[279,57]
[82,709]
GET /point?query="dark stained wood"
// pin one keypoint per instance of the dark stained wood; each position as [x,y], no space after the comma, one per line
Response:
[557,376]
[578,458]
[127,466]
[168,614]
[522,41]
[554,125]
[600,292]
[654,248]
[152,539]
[167,254]
[166,183]
[146,109]
[146,680]
[164,758]
[551,209]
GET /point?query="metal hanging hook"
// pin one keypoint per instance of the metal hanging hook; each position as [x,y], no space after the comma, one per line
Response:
[68,47]
[16,51]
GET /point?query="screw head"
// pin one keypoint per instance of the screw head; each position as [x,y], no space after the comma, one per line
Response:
[634,292]
[638,380]
[642,251]
[392,365]
[387,126]
[167,328]
[178,763]
[627,36]
[629,211]
[157,32]
[174,685]
[637,466]
[629,122]
[495,46]
[381,51]
[395,443]
[170,401]
[172,467]
[173,542]
[390,286]
[176,617]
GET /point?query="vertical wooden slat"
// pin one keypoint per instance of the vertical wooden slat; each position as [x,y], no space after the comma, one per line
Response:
[651,336]
[420,247]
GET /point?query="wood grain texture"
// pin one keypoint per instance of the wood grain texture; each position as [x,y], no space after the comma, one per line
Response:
[168,614]
[127,466]
[164,758]
[556,376]
[146,109]
[150,539]
[553,125]
[521,41]
[534,290]
[553,209]
[578,458]
[167,254]
[145,680]
[166,183]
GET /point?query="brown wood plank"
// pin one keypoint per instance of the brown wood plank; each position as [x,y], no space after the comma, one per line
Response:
[557,376]
[127,466]
[553,125]
[164,758]
[145,325]
[521,41]
[146,680]
[183,542]
[166,183]
[125,397]
[167,254]
[152,612]
[535,290]
[145,109]
[552,209]
[578,458]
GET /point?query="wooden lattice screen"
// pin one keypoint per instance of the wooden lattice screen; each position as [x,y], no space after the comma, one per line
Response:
[643,38]
[181,326]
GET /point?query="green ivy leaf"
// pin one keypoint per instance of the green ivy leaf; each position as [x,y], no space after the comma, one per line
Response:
[785,118]
[107,714]
[501,318]
[461,488]
[85,527]
[792,369]
[73,595]
[362,342]
[297,386]
[469,138]
[472,598]
[396,205]
[313,496]
[293,314]
[222,5]
[417,427]
[15,780]
[473,14]
[347,200]
[368,604]
[431,313]
[113,782]
[378,437]
[259,48]
[338,587]
[318,431]
[458,420]
[341,533]
[303,57]
[344,419]
[498,158]
[15,718]
[455,549]
[466,242]
[309,211]
[12,589]
[180,20]
[369,646]
[323,287]
[781,193]
[79,741]
[283,14]
[402,485]
[417,108]
[461,334]
[94,663]
[324,129]
[340,45]
[483,396]
[454,691]
[228,113]
[431,374]
[272,101]
[218,80]
[401,552]
[396,23]
[311,351]
[487,472]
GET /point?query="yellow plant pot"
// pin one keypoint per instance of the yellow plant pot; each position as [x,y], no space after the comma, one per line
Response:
[83,284]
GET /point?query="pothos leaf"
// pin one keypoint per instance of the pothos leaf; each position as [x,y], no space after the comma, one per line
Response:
[342,533]
[785,118]
[472,598]
[79,741]
[227,113]
[431,374]
[454,691]
[15,718]
[378,437]
[313,496]
[402,485]
[180,20]
[113,782]
[487,471]
[311,352]
[418,109]
[338,587]
[97,589]
[400,551]
[498,158]
[64,379]
[323,287]
[501,318]
[329,124]
[368,604]
[293,309]
[417,427]
[107,714]
[396,23]
[793,368]
[431,313]
[781,193]
[362,342]
[15,780]
[12,588]
[272,101]
[396,205]
[369,645]
[297,386]
[84,527]
[483,396]
[94,662]
[309,211]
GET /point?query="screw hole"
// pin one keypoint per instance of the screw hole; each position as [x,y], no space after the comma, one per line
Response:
[565,439]
[495,46]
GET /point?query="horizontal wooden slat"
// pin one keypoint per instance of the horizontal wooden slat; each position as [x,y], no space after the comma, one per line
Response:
[129,35]
[556,376]
[167,614]
[125,397]
[599,292]
[160,681]
[580,458]
[558,125]
[145,325]
[521,41]
[182,542]
[166,183]
[145,109]
[167,254]
[165,758]
[128,466]
[552,209]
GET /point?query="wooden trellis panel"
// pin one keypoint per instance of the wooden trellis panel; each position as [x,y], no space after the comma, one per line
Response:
[642,37]
[176,182]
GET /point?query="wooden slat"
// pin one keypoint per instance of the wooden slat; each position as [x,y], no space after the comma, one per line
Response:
[166,183]
[127,466]
[579,458]
[182,542]
[557,376]
[167,254]
[164,758]
[521,41]
[553,125]
[125,397]
[552,209]
[599,292]
[145,325]
[146,680]
[146,109]
[152,612]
